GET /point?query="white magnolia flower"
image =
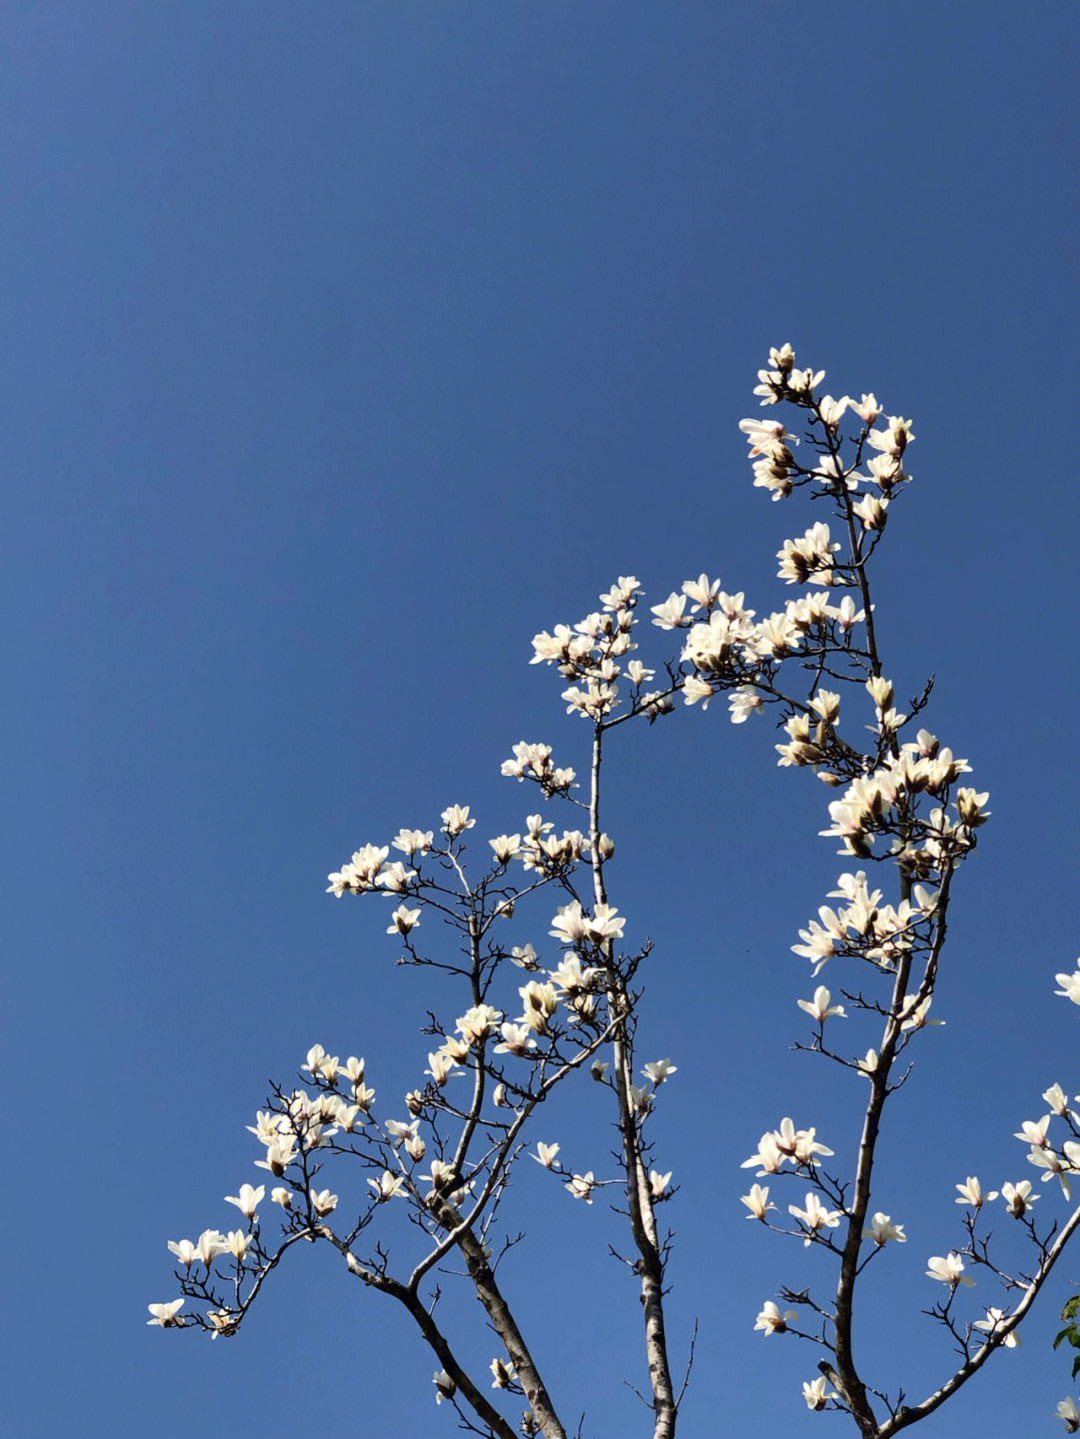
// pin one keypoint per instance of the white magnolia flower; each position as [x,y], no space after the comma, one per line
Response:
[702,591]
[971,807]
[658,1183]
[477,1023]
[581,1186]
[1018,1197]
[819,1007]
[503,1374]
[165,1314]
[455,819]
[236,1243]
[247,1201]
[659,1070]
[387,1186]
[757,1201]
[815,1217]
[744,702]
[403,920]
[867,408]
[798,1144]
[832,410]
[400,1130]
[814,1392]
[545,1154]
[322,1201]
[445,1388]
[541,1001]
[948,1270]
[1068,1412]
[516,1039]
[769,1156]
[441,1176]
[222,1321]
[995,1318]
[440,1067]
[211,1244]
[1057,1099]
[1034,1132]
[669,615]
[185,1251]
[971,1193]
[809,558]
[772,1321]
[696,689]
[917,1014]
[505,847]
[882,1230]
[395,878]
[641,1100]
[1070,986]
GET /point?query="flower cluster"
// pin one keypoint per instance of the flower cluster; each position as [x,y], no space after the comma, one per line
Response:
[533,762]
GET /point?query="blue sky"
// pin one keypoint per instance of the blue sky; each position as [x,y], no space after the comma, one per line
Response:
[349,345]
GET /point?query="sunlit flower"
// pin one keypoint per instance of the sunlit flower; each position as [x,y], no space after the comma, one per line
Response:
[1057,1099]
[403,920]
[455,819]
[477,1023]
[658,1183]
[185,1251]
[948,1270]
[236,1243]
[757,1202]
[387,1186]
[581,1186]
[882,1229]
[247,1201]
[697,690]
[772,1321]
[819,1007]
[669,615]
[503,1374]
[545,1154]
[815,1217]
[541,1002]
[971,1193]
[165,1314]
[1018,1197]
[744,702]
[918,1014]
[641,1100]
[659,1070]
[995,1318]
[395,878]
[1034,1133]
[814,1392]
[211,1243]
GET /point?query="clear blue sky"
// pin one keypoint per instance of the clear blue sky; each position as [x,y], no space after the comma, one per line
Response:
[350,344]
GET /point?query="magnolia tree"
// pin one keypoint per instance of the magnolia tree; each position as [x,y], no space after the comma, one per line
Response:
[413,1191]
